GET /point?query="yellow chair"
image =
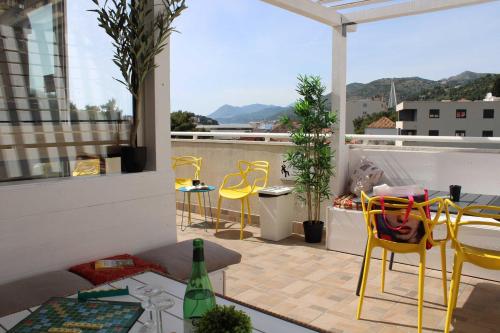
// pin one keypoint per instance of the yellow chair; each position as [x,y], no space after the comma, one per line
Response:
[484,258]
[195,164]
[397,207]
[252,177]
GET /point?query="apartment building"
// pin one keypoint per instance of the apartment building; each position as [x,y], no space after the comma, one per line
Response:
[449,118]
[363,107]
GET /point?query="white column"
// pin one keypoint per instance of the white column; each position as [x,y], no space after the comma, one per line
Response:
[339,69]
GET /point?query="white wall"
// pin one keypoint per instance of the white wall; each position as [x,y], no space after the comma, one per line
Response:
[58,223]
[61,222]
[381,131]
[435,168]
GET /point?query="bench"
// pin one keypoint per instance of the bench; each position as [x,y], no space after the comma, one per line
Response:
[177,258]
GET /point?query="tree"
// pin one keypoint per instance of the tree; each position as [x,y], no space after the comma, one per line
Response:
[182,121]
[311,156]
[138,36]
[496,88]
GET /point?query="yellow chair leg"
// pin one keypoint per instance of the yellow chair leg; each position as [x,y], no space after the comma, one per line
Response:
[249,212]
[443,271]
[189,208]
[368,255]
[242,218]
[202,209]
[219,201]
[421,280]
[384,264]
[457,280]
[454,287]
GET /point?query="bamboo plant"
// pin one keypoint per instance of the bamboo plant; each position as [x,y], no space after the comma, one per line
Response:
[311,157]
[138,36]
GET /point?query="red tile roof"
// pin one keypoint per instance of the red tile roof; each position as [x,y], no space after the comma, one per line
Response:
[383,122]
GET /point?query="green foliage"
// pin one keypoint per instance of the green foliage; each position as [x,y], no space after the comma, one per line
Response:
[496,87]
[183,121]
[473,90]
[224,319]
[311,156]
[362,122]
[138,36]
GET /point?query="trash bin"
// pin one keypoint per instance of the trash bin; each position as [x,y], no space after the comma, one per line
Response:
[276,212]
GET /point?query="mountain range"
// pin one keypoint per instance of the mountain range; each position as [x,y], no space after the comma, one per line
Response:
[468,85]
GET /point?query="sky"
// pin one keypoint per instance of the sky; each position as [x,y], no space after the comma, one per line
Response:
[241,52]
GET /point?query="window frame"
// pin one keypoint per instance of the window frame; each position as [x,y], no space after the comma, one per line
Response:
[434,116]
[458,132]
[435,133]
[459,111]
[487,131]
[492,113]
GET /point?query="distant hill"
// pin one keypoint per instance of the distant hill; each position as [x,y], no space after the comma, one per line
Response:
[468,85]
[229,114]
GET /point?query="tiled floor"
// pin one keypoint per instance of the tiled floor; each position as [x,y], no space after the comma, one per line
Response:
[316,286]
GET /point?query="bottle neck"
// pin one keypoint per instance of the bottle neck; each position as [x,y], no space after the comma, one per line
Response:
[198,263]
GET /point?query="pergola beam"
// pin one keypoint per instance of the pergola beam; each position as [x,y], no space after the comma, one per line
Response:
[406,9]
[354,4]
[309,9]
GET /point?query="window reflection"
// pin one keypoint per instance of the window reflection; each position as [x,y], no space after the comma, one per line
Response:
[59,103]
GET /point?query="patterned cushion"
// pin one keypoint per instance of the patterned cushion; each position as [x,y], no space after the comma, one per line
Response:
[100,276]
[364,177]
[347,201]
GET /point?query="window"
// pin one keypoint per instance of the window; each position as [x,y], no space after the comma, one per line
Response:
[459,133]
[407,115]
[57,90]
[408,132]
[488,113]
[461,114]
[434,113]
[487,134]
[433,133]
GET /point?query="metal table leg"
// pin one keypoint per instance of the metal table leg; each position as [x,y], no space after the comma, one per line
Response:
[183,207]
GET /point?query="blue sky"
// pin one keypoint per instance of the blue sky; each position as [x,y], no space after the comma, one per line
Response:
[245,51]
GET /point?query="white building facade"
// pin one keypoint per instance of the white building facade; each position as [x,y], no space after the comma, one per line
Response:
[447,118]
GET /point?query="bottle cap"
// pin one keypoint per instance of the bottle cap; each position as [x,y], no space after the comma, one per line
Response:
[197,242]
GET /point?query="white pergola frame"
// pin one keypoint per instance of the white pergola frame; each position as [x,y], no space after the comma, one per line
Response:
[343,16]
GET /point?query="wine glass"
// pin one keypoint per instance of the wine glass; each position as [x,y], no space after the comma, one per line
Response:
[146,293]
[161,302]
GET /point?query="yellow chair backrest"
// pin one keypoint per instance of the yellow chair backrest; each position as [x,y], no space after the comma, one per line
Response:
[488,216]
[255,171]
[189,161]
[394,206]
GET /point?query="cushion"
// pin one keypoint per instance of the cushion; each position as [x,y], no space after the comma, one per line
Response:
[347,201]
[178,258]
[101,276]
[364,176]
[28,292]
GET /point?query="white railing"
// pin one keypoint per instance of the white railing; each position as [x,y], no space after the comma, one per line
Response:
[365,138]
[420,138]
[225,135]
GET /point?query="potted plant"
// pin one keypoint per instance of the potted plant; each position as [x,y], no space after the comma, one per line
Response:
[311,156]
[138,36]
[224,319]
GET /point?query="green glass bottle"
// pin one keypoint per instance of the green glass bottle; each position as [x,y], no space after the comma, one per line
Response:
[199,296]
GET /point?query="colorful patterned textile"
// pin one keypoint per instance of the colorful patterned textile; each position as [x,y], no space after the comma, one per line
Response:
[346,201]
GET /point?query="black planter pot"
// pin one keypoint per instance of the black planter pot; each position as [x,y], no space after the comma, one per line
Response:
[114,151]
[133,159]
[313,232]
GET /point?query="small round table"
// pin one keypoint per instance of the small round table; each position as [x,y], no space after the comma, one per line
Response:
[187,190]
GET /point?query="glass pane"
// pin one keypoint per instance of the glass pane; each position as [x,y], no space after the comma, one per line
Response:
[59,104]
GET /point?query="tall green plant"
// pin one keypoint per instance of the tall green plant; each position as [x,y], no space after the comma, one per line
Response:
[311,156]
[138,36]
